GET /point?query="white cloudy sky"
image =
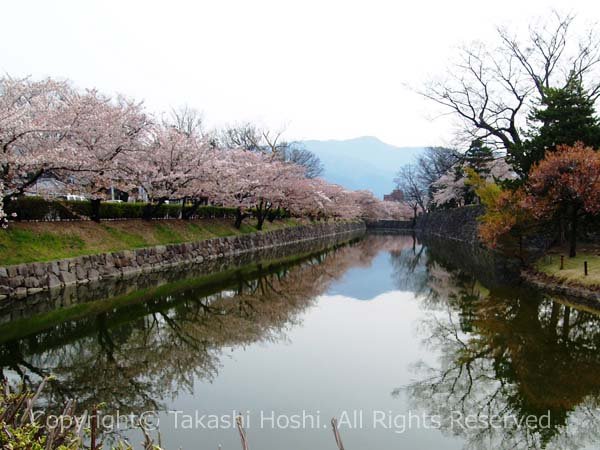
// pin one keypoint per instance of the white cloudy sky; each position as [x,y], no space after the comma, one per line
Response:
[321,69]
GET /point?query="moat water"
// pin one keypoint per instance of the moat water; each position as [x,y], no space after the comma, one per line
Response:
[407,345]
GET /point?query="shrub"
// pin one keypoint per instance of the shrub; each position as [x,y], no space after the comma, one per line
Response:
[38,208]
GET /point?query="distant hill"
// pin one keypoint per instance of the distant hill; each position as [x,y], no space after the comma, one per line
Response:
[362,163]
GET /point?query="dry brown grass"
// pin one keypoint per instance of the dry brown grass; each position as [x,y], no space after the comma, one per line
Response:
[573,269]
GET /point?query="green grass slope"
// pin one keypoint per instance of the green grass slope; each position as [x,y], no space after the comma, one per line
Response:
[46,241]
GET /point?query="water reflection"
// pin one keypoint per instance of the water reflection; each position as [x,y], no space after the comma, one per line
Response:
[134,358]
[488,350]
[508,353]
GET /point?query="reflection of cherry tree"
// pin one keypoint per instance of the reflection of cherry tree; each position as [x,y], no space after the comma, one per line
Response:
[133,358]
[410,266]
[131,363]
[514,358]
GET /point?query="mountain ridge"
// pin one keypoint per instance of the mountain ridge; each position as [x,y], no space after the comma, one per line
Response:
[364,162]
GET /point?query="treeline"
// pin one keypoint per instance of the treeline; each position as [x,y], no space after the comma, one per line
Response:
[526,107]
[94,144]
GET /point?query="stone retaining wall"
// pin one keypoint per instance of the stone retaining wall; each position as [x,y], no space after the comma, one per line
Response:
[461,224]
[458,224]
[28,279]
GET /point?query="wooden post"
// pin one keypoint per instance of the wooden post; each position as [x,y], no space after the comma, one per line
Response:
[562,262]
[585,268]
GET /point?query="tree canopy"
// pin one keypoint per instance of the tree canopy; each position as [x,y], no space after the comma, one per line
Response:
[564,116]
[491,88]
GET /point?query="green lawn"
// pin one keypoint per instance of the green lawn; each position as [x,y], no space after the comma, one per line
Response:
[46,241]
[573,268]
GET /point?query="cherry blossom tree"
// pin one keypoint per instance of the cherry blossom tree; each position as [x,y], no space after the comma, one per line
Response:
[394,210]
[3,216]
[172,166]
[250,137]
[258,183]
[33,131]
[333,201]
[453,187]
[277,180]
[251,180]
[103,135]
[368,207]
[317,199]
[92,142]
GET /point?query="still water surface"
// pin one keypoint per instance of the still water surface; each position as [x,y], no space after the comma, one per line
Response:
[407,350]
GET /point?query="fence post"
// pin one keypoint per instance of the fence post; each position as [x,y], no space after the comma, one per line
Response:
[585,268]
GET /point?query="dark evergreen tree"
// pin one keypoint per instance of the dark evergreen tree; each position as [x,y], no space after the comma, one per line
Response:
[564,116]
[479,157]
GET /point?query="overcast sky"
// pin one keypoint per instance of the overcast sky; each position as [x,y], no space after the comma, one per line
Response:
[321,69]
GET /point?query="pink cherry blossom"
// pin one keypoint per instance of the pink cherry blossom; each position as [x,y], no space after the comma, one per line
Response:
[93,142]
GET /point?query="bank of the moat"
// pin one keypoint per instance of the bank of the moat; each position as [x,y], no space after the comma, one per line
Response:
[29,279]
[456,228]
[460,225]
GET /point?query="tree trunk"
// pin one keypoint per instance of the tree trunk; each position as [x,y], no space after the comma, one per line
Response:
[521,247]
[561,230]
[188,213]
[6,201]
[182,214]
[260,221]
[573,237]
[95,209]
[148,211]
[238,218]
[260,215]
[566,323]
[554,315]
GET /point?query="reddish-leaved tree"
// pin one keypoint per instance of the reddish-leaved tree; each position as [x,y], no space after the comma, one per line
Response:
[565,183]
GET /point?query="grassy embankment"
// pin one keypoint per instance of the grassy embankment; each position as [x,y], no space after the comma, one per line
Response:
[573,271]
[46,241]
